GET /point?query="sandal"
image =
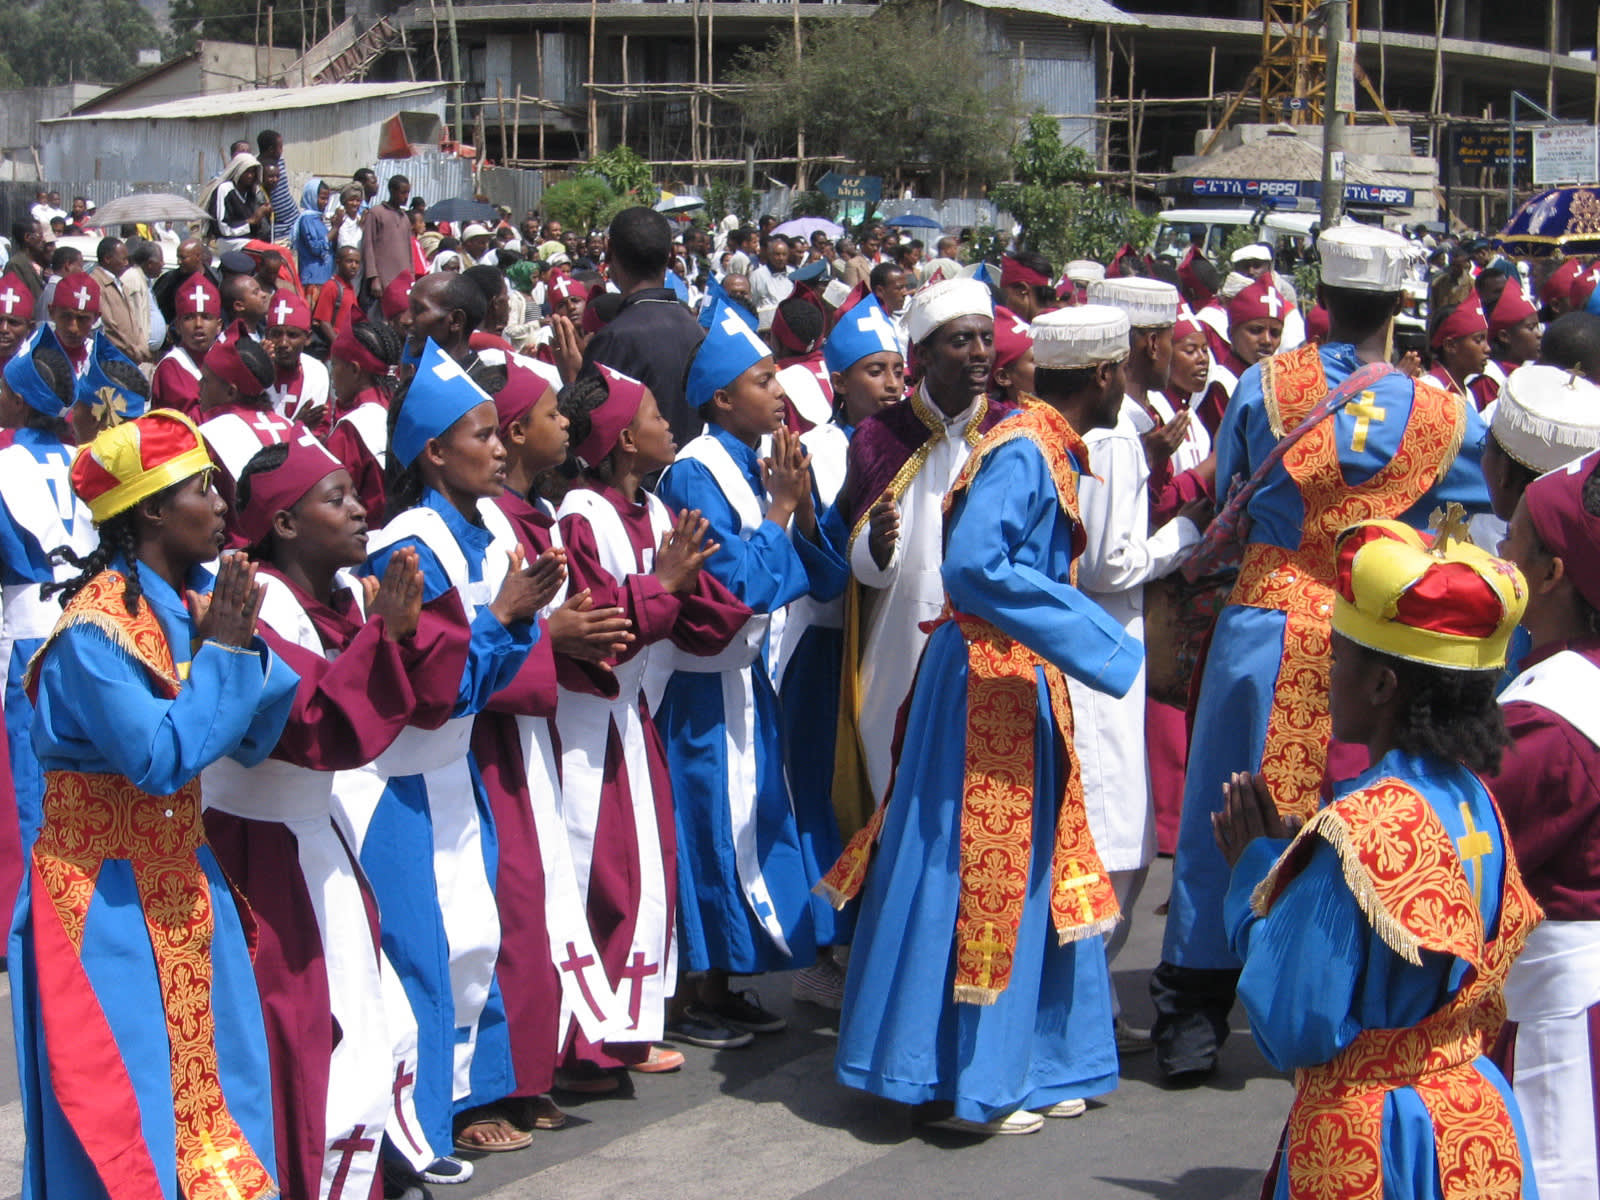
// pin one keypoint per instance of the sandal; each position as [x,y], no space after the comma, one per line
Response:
[520,1139]
[533,1112]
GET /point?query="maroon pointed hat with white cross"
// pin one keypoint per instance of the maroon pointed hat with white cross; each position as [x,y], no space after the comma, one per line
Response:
[16,301]
[1260,301]
[197,294]
[77,292]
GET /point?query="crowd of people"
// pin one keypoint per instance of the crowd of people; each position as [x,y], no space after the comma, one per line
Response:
[446,663]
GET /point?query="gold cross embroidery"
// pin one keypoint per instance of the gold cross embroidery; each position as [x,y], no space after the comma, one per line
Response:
[1473,847]
[1365,413]
[216,1161]
[1449,524]
[1081,884]
[988,945]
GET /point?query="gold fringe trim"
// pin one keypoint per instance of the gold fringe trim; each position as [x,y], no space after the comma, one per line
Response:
[967,993]
[1328,826]
[831,894]
[1079,933]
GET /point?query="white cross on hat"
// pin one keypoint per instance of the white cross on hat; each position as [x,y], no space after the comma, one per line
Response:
[82,296]
[199,298]
[10,298]
[874,322]
[733,325]
[1272,300]
[281,313]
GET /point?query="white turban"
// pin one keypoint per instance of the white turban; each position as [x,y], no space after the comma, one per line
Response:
[945,301]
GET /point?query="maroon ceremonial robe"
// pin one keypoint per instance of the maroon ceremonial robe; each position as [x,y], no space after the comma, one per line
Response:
[529,983]
[347,711]
[346,444]
[704,622]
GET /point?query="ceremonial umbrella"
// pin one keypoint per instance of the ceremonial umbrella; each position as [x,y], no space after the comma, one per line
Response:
[145,208]
[460,211]
[804,227]
[913,221]
[682,202]
[1565,219]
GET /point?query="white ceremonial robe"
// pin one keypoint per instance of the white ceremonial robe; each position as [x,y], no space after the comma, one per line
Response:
[910,590]
[1121,556]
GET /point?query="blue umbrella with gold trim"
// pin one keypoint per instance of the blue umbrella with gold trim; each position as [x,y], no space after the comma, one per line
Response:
[1563,219]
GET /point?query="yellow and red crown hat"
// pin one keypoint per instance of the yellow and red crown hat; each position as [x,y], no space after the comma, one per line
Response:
[133,461]
[1430,599]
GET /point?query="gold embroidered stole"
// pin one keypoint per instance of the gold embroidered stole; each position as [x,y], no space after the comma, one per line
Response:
[1404,870]
[1000,772]
[1299,583]
[92,817]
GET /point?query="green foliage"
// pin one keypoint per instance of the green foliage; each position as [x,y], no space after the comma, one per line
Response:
[232,21]
[892,91]
[724,196]
[73,41]
[813,204]
[625,173]
[582,202]
[1307,278]
[1064,213]
[1240,237]
[987,245]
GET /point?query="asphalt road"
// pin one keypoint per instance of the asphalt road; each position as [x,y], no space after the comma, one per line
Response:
[769,1122]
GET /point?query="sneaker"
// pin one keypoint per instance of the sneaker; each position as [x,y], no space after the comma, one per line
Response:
[699,1027]
[1131,1040]
[822,985]
[742,1010]
[662,1059]
[447,1169]
[1017,1122]
[1064,1108]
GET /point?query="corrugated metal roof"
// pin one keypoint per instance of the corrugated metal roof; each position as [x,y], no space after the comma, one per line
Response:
[259,100]
[1088,12]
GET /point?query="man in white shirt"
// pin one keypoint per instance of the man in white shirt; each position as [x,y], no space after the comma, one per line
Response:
[770,284]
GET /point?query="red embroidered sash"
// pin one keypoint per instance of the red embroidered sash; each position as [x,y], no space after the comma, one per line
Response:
[998,792]
[1298,583]
[88,819]
[1402,866]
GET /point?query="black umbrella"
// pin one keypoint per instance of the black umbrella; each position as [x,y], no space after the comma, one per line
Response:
[459,211]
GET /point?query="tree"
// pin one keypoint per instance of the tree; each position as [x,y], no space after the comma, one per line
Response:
[1063,212]
[625,173]
[583,202]
[72,41]
[236,21]
[896,90]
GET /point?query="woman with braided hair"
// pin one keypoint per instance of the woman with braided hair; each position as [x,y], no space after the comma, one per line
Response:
[358,420]
[138,1026]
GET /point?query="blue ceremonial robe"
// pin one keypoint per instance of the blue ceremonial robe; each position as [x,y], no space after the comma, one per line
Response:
[1048,1037]
[766,569]
[24,564]
[97,712]
[1316,974]
[397,854]
[1241,670]
[808,703]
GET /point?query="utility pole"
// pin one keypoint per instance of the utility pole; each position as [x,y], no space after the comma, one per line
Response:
[1336,30]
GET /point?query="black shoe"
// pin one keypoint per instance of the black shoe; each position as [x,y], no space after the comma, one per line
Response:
[742,1010]
[698,1027]
[1192,1007]
[400,1182]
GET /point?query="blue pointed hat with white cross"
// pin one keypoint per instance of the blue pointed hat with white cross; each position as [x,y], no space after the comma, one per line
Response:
[440,395]
[862,329]
[730,349]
